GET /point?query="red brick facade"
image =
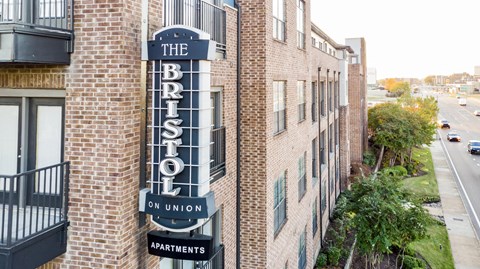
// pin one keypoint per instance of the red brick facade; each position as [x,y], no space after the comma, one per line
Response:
[103,119]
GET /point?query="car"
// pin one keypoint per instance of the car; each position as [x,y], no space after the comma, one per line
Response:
[473,146]
[476,112]
[444,124]
[453,136]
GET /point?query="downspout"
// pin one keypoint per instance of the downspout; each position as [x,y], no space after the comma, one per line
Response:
[339,124]
[335,135]
[328,152]
[143,108]
[239,20]
[319,112]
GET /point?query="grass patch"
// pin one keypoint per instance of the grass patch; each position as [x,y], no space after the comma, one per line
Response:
[429,247]
[423,187]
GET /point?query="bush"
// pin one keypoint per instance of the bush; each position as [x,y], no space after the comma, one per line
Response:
[369,158]
[322,260]
[333,255]
[398,171]
[410,262]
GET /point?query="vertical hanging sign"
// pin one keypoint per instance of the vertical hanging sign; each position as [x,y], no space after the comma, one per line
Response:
[179,199]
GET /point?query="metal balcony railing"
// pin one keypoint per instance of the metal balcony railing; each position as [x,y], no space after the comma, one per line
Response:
[38,14]
[33,202]
[210,18]
[217,150]
[217,261]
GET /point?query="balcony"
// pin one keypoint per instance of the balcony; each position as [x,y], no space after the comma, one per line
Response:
[36,31]
[33,216]
[200,14]
[217,153]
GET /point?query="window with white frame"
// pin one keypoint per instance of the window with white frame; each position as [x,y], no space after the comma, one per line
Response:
[314,162]
[323,159]
[323,200]
[279,106]
[301,100]
[314,217]
[279,202]
[314,102]
[322,99]
[302,178]
[279,19]
[301,24]
[302,250]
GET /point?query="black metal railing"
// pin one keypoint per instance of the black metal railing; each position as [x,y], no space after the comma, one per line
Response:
[217,261]
[199,14]
[42,14]
[217,150]
[33,202]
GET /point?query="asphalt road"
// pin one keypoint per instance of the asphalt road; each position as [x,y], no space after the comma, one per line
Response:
[465,167]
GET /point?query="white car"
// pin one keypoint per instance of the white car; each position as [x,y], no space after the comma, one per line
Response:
[476,112]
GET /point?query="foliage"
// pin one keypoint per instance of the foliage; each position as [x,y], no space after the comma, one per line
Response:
[398,171]
[429,80]
[383,216]
[321,260]
[369,158]
[410,262]
[399,129]
[333,255]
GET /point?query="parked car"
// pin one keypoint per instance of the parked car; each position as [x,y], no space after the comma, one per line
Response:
[476,112]
[444,124]
[473,146]
[453,136]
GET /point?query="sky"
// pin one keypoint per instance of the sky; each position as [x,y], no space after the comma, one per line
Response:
[407,38]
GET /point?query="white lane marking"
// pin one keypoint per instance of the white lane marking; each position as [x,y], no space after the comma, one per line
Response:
[463,188]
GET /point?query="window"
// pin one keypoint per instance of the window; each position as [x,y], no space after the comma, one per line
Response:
[278,106]
[323,159]
[314,101]
[314,42]
[51,8]
[302,250]
[337,132]
[314,162]
[314,217]
[32,138]
[322,99]
[301,100]
[330,138]
[323,193]
[302,178]
[279,19]
[279,201]
[330,96]
[300,24]
[336,94]
[217,147]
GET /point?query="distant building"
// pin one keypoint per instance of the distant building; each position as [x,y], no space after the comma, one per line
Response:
[357,94]
[371,76]
[476,71]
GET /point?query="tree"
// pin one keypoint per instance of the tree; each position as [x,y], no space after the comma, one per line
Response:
[384,217]
[398,128]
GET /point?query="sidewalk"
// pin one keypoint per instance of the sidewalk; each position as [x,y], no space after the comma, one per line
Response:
[465,246]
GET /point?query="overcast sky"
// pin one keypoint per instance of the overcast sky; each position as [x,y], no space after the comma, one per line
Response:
[407,38]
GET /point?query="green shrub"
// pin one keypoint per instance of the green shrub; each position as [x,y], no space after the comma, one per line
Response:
[369,158]
[398,171]
[430,199]
[322,260]
[333,255]
[410,262]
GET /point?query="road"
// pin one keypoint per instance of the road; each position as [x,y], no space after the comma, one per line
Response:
[466,167]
